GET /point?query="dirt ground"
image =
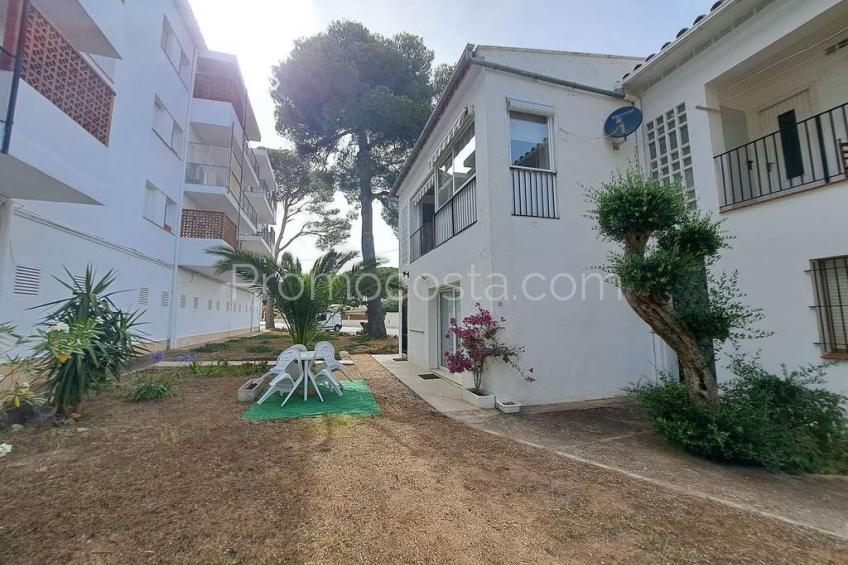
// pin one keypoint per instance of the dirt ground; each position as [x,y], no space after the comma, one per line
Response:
[266,346]
[184,480]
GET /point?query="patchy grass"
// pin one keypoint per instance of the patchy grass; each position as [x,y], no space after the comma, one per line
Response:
[184,480]
[266,346]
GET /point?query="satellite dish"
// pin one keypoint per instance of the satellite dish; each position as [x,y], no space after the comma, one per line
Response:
[623,122]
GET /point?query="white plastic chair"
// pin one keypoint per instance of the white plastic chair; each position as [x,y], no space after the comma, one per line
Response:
[324,375]
[281,379]
[325,351]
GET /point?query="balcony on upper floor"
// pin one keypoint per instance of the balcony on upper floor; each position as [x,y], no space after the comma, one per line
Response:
[200,231]
[214,182]
[780,117]
[258,188]
[456,215]
[260,243]
[220,97]
[55,108]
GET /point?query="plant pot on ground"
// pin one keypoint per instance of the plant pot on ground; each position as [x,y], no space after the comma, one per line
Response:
[509,406]
[479,398]
[250,391]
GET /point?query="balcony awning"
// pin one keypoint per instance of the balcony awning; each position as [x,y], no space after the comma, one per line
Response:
[422,190]
[455,129]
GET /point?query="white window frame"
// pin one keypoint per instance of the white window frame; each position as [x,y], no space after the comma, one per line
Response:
[174,52]
[158,208]
[174,137]
[531,109]
[450,150]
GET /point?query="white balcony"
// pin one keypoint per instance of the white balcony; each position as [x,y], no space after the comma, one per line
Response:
[260,243]
[213,183]
[61,128]
[200,231]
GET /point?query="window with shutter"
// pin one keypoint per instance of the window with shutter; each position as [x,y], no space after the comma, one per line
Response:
[830,277]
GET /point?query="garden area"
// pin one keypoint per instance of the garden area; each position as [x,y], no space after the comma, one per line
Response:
[266,346]
[185,479]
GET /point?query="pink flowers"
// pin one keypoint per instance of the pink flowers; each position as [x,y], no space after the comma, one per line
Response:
[477,340]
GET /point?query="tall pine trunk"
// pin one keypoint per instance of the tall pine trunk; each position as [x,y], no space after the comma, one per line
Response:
[365,169]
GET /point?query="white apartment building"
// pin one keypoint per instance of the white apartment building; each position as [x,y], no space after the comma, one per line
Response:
[747,108]
[127,146]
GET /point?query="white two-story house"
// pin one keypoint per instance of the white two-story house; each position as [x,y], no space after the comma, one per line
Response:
[126,145]
[493,199]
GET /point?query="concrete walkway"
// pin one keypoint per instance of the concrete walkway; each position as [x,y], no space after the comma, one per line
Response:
[613,437]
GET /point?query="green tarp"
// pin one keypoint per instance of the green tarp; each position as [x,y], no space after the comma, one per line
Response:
[357,400]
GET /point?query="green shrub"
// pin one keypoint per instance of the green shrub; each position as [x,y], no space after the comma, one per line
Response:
[390,305]
[260,349]
[153,386]
[88,342]
[783,422]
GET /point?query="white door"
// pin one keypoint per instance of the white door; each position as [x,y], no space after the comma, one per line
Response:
[448,309]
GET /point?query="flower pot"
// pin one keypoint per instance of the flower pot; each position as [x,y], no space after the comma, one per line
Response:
[509,406]
[484,400]
[249,391]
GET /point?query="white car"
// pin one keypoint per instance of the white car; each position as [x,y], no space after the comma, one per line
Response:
[332,321]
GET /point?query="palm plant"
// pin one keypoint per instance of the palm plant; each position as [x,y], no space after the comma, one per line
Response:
[300,297]
[88,340]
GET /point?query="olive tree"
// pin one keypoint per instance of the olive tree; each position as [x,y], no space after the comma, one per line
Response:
[665,245]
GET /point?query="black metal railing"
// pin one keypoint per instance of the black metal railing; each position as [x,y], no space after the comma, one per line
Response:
[534,193]
[422,241]
[248,208]
[455,216]
[804,155]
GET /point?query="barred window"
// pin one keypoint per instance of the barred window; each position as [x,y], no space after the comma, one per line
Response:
[830,279]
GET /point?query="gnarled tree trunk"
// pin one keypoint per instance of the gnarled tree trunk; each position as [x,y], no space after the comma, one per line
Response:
[696,366]
[657,312]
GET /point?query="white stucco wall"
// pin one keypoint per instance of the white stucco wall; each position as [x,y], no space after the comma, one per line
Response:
[774,241]
[579,348]
[115,235]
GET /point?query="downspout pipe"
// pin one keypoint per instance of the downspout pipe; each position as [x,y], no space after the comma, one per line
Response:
[16,78]
[470,58]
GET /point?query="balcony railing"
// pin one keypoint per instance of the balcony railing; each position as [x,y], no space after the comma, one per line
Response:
[213,165]
[805,155]
[248,208]
[204,224]
[456,215]
[54,69]
[267,233]
[534,193]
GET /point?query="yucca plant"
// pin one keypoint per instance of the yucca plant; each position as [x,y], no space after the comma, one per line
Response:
[86,340]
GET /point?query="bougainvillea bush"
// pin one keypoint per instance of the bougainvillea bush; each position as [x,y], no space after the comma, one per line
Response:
[478,341]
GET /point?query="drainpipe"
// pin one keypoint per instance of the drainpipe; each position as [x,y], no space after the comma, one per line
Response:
[16,78]
[470,58]
[175,273]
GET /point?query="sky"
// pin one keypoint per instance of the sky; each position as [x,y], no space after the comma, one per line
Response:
[262,32]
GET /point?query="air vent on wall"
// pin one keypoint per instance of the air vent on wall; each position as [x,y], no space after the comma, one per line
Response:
[27,280]
[143,296]
[182,300]
[195,302]
[166,297]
